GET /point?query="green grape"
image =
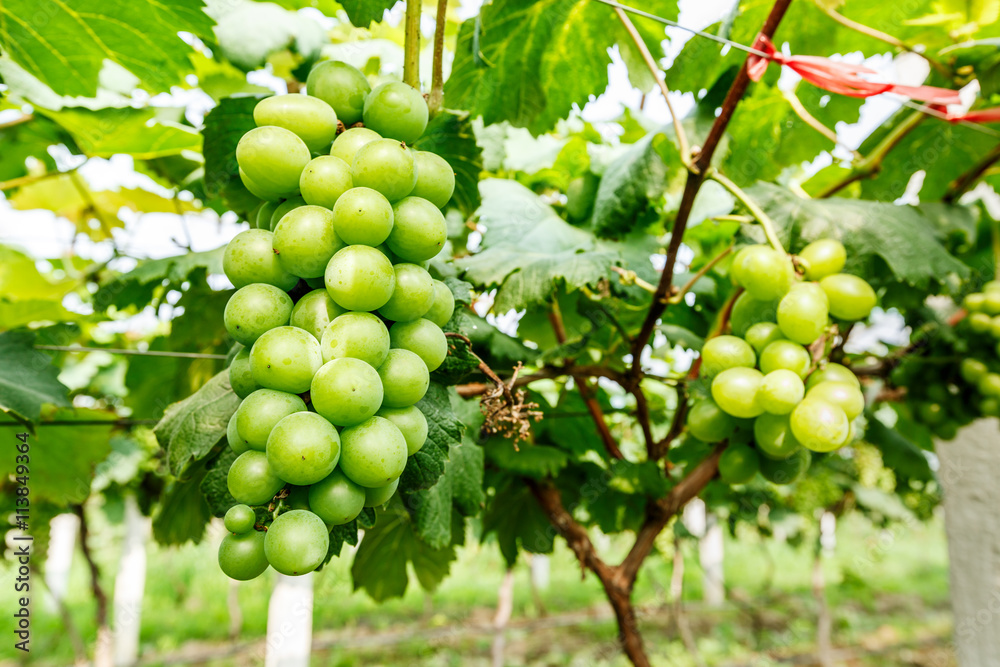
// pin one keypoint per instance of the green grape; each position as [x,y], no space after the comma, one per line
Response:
[784,354]
[990,407]
[363,216]
[346,391]
[832,373]
[250,258]
[360,278]
[738,464]
[261,410]
[764,272]
[991,286]
[980,323]
[316,283]
[851,298]
[264,213]
[774,437]
[974,302]
[422,337]
[347,145]
[820,426]
[413,295]
[283,208]
[324,181]
[823,258]
[845,395]
[336,499]
[358,336]
[972,370]
[781,391]
[303,448]
[298,497]
[341,86]
[251,480]
[397,111]
[724,352]
[786,471]
[762,334]
[443,306]
[946,430]
[419,230]
[297,542]
[387,166]
[273,159]
[233,437]
[241,557]
[311,118]
[580,195]
[930,413]
[803,313]
[435,178]
[748,311]
[254,309]
[991,303]
[373,453]
[256,189]
[707,422]
[411,423]
[995,327]
[240,519]
[989,385]
[304,241]
[285,358]
[404,378]
[735,391]
[240,375]
[314,312]
[380,495]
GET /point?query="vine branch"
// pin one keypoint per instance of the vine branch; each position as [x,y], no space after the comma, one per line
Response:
[689,285]
[756,211]
[437,67]
[411,45]
[101,598]
[960,185]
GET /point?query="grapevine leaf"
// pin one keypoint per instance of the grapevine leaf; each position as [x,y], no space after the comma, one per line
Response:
[443,429]
[899,453]
[143,133]
[24,141]
[215,486]
[514,516]
[192,427]
[460,487]
[29,380]
[136,288]
[529,460]
[363,13]
[451,137]
[224,126]
[183,511]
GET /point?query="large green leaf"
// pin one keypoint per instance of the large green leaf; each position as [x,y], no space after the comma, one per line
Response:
[224,126]
[514,516]
[24,141]
[443,430]
[29,380]
[137,287]
[183,512]
[142,133]
[459,488]
[364,12]
[451,137]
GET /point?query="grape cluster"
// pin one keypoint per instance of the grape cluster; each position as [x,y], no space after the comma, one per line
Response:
[768,398]
[331,369]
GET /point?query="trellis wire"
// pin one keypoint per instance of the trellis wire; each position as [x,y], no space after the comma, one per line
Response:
[138,353]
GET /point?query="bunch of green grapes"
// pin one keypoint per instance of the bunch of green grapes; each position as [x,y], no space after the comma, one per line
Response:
[339,318]
[769,398]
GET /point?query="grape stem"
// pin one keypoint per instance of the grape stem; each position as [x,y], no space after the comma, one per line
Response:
[689,285]
[630,278]
[811,121]
[437,66]
[411,45]
[996,248]
[756,211]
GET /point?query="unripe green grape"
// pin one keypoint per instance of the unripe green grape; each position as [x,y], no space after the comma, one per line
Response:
[819,425]
[298,497]
[380,495]
[314,312]
[995,327]
[930,413]
[580,195]
[991,304]
[764,272]
[303,448]
[249,258]
[851,298]
[241,557]
[803,313]
[341,86]
[735,391]
[347,145]
[260,411]
[305,240]
[297,542]
[419,230]
[397,111]
[387,166]
[845,395]
[989,385]
[946,430]
[256,189]
[748,311]
[360,278]
[786,471]
[404,378]
[236,441]
[264,213]
[254,309]
[980,323]
[738,464]
[823,258]
[435,178]
[972,370]
[422,337]
[251,480]
[785,354]
[324,180]
[285,359]
[707,422]
[346,391]
[832,373]
[990,407]
[240,375]
[316,283]
[443,306]
[781,391]
[358,336]
[363,216]
[412,296]
[336,499]
[974,302]
[273,158]
[762,334]
[411,423]
[312,119]
[724,352]
[283,208]
[240,519]
[774,437]
[373,453]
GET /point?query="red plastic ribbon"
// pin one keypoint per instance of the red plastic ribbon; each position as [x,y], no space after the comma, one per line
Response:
[839,77]
[977,116]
